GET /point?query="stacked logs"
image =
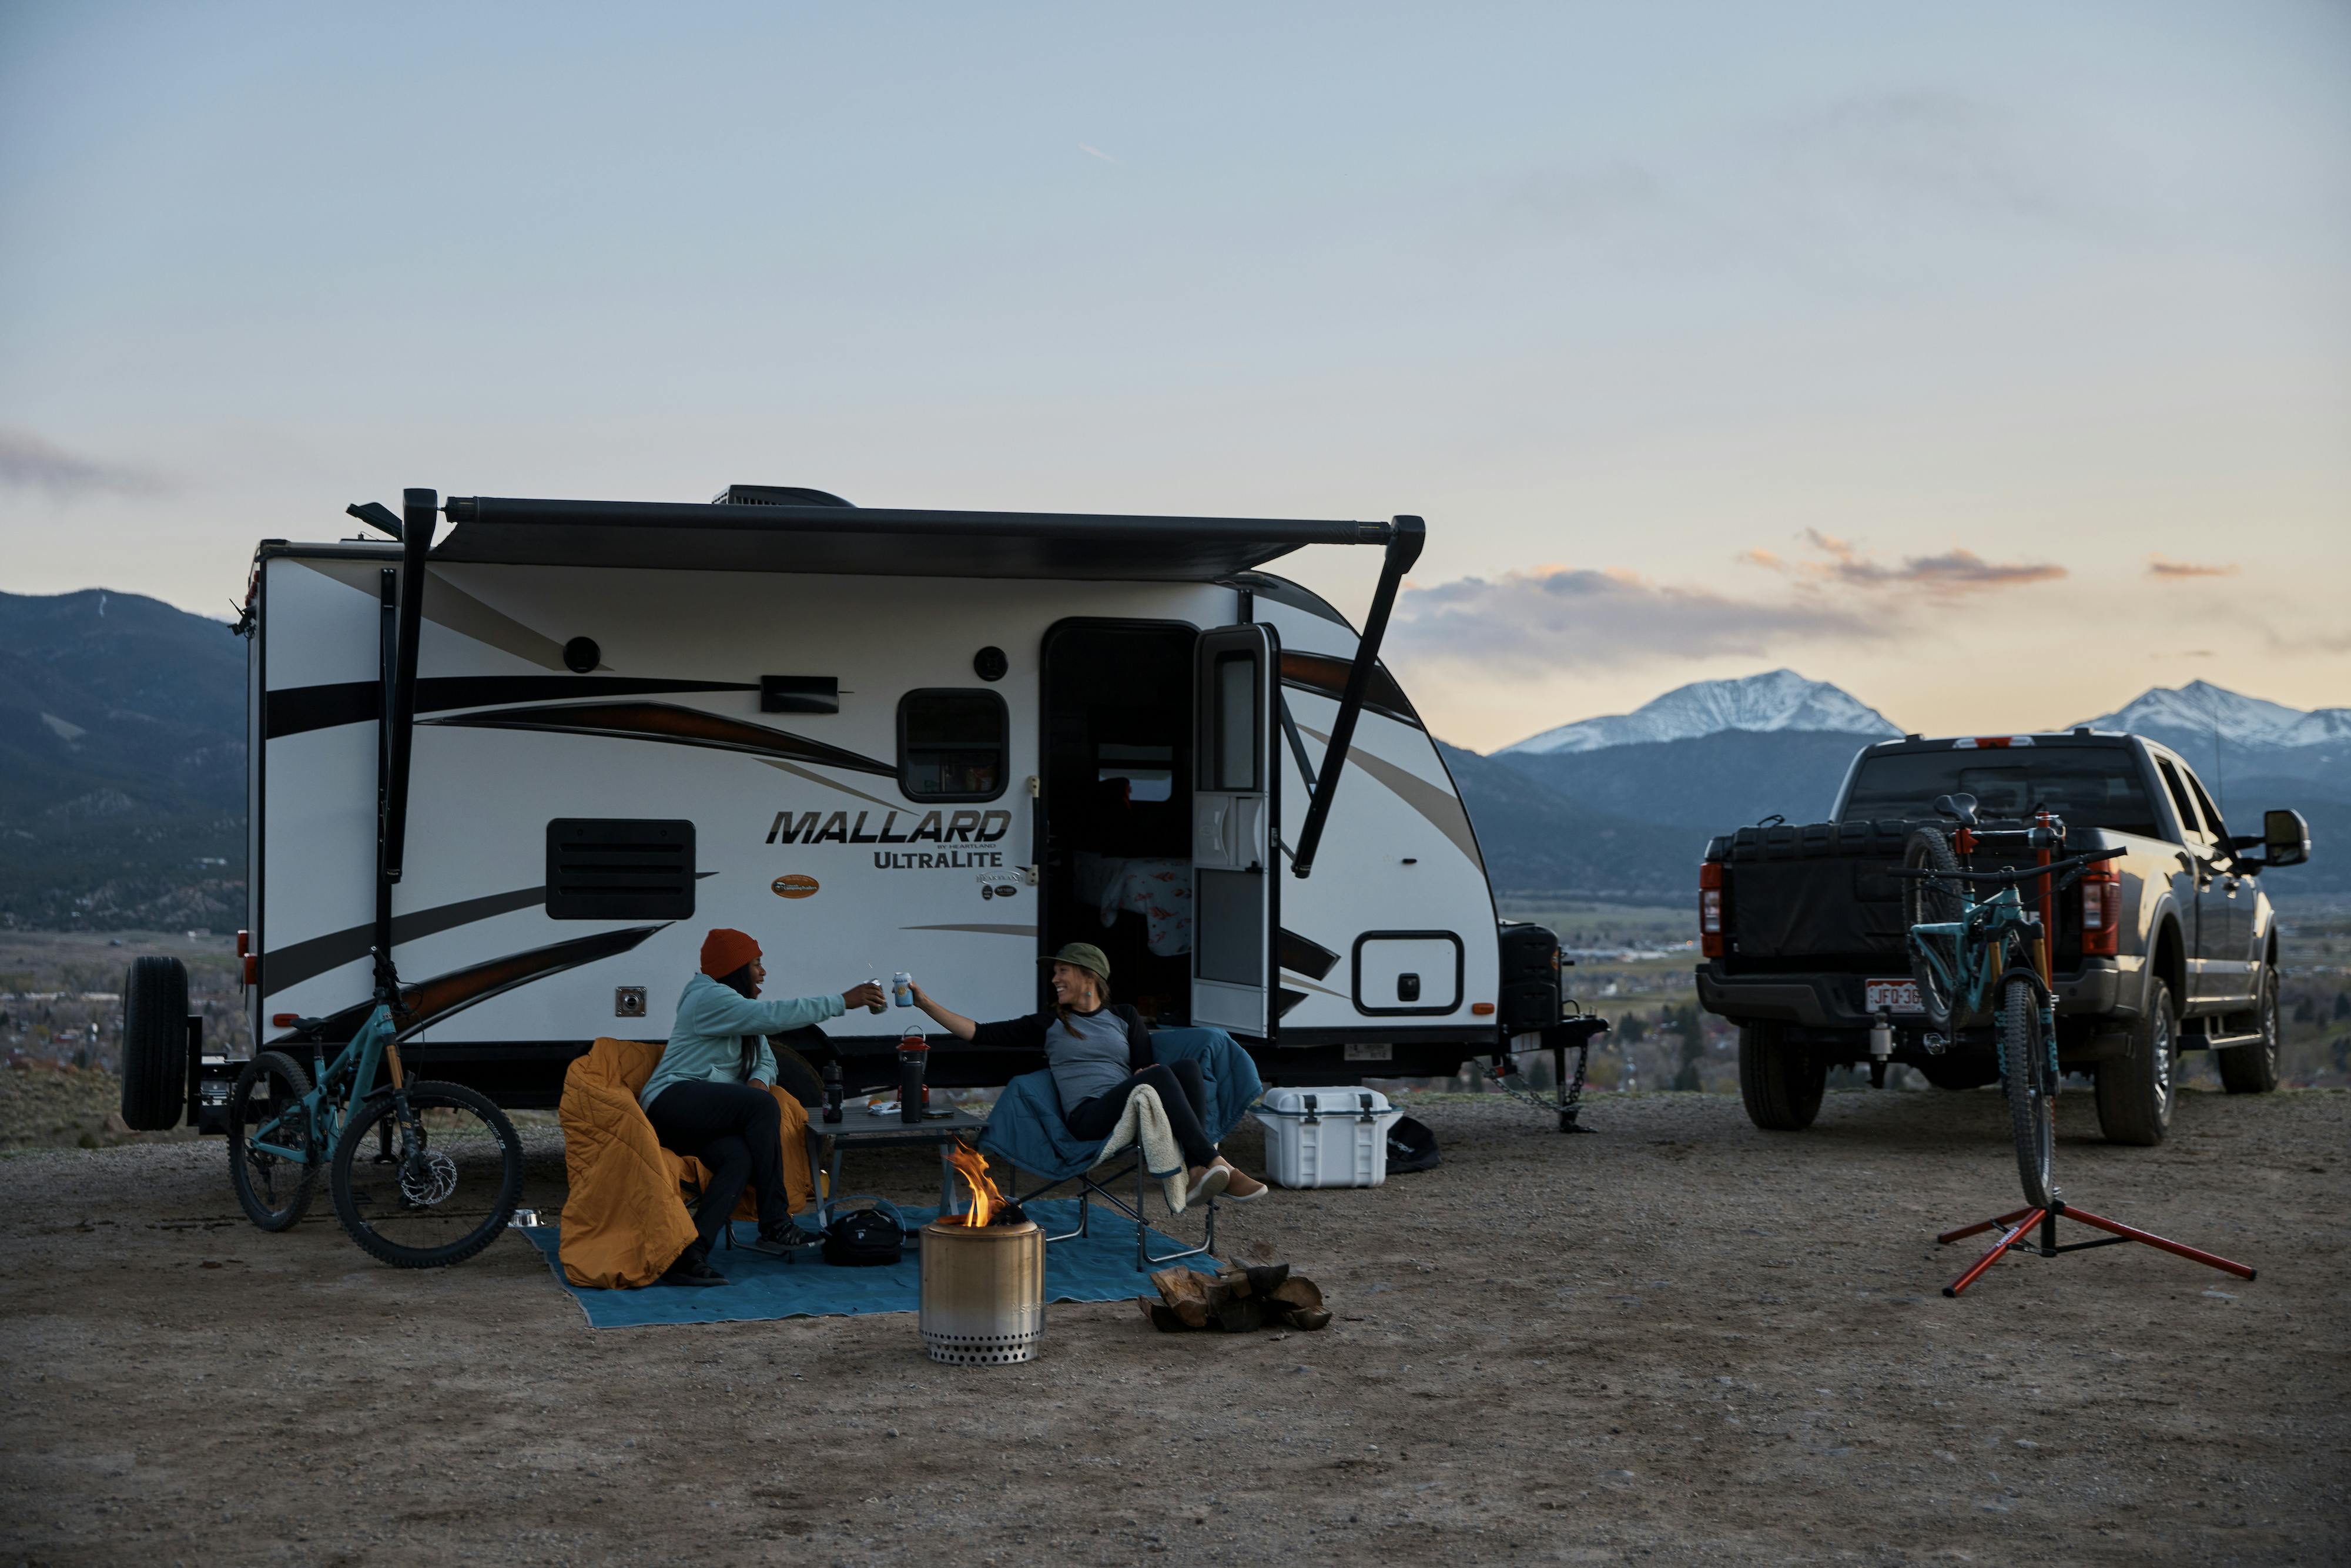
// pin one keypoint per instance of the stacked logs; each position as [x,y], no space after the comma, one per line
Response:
[1237,1298]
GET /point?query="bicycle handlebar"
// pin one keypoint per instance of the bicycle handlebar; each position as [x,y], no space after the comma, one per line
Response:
[2069,866]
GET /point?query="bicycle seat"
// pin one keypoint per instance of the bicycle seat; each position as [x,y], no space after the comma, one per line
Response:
[1960,807]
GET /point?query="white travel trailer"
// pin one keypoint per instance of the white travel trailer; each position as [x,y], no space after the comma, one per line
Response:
[943,742]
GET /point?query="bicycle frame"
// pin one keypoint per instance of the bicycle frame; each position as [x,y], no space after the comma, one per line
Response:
[1972,970]
[356,1064]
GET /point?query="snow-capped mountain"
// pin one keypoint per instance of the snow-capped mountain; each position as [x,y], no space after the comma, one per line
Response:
[1782,700]
[2196,711]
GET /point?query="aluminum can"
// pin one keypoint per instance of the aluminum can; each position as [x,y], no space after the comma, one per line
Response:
[902,989]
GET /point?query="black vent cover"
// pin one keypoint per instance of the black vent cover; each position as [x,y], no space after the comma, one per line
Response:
[620,868]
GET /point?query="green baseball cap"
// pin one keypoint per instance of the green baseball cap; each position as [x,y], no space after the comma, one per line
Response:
[1081,955]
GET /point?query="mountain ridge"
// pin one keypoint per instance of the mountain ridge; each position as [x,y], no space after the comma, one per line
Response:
[1777,700]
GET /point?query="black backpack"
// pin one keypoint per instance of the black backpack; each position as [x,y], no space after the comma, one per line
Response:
[1411,1145]
[866,1238]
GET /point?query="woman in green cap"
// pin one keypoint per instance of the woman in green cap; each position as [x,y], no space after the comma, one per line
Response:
[1101,1054]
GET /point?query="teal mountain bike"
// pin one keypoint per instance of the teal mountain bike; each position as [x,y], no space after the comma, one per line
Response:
[1984,960]
[421,1174]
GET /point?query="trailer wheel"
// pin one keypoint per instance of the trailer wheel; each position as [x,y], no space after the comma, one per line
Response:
[1780,1082]
[2133,1090]
[2253,1069]
[154,1044]
[795,1075]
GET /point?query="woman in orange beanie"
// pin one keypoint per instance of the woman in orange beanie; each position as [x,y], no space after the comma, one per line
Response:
[709,1096]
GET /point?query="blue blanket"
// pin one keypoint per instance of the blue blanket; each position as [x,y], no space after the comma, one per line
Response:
[1026,1127]
[1096,1266]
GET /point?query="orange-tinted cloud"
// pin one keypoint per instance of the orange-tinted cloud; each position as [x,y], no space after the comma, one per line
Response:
[2163,566]
[1955,570]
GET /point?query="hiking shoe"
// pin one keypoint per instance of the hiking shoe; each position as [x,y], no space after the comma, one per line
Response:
[693,1268]
[781,1242]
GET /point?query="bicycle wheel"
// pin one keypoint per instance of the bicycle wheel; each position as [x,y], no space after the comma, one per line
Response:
[274,1191]
[438,1200]
[2024,1081]
[1925,903]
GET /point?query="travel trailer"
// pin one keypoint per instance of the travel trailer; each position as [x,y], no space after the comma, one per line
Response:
[531,750]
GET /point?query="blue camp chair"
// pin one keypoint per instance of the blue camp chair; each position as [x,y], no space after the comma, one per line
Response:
[1026,1129]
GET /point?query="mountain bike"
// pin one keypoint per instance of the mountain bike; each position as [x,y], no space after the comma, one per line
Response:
[421,1174]
[1989,960]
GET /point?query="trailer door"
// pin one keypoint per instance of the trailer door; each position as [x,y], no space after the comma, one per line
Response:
[1232,828]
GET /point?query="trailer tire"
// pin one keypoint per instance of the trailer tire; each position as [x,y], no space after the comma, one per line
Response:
[1781,1083]
[154,1044]
[795,1075]
[2253,1069]
[2133,1090]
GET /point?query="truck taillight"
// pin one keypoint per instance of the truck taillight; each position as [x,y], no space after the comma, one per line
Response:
[1709,909]
[2102,913]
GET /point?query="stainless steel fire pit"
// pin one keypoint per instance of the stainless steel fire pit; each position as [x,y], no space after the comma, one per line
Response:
[983,1292]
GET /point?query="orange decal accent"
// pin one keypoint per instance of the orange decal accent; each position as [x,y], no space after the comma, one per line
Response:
[792,885]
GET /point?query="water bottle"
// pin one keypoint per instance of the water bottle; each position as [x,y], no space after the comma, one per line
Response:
[832,1090]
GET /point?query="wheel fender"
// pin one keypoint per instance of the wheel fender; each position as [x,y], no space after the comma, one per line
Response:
[2164,928]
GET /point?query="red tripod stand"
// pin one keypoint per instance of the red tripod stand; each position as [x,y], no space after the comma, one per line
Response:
[2014,1227]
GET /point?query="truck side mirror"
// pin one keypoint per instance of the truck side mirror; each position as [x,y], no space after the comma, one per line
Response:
[2285,838]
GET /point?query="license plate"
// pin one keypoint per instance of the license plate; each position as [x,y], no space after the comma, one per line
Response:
[1890,996]
[1371,1053]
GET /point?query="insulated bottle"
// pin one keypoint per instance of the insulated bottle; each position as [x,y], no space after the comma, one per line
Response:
[914,1057]
[832,1090]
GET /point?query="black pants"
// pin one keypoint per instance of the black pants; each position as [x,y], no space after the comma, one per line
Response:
[1183,1093]
[736,1130]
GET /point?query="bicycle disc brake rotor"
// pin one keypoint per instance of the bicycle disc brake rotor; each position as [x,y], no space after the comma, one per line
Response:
[427,1177]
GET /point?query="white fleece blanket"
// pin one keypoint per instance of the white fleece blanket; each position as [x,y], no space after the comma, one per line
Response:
[1145,1122]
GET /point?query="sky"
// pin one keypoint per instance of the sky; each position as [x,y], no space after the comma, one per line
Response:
[1992,361]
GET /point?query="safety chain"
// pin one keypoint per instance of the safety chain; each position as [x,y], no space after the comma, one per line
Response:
[1515,1086]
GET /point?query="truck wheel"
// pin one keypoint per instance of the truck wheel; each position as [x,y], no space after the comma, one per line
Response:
[2253,1069]
[2133,1090]
[154,1044]
[1780,1082]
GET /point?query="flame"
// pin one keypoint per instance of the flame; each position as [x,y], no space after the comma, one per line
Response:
[972,1165]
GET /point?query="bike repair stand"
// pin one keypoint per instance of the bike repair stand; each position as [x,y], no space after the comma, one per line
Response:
[1569,1034]
[2024,1219]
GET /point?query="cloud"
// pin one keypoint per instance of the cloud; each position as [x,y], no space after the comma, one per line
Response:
[1954,571]
[1555,616]
[1096,152]
[2165,567]
[30,462]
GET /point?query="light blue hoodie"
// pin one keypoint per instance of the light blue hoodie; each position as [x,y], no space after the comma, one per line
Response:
[705,1043]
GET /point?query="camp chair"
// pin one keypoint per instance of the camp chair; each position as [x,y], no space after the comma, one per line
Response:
[1026,1129]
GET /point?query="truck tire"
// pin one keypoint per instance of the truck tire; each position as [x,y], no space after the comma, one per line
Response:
[1781,1083]
[2134,1090]
[2253,1069]
[154,1044]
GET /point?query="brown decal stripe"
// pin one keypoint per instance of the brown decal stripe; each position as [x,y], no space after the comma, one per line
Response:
[1327,676]
[672,725]
[292,710]
[429,1002]
[282,968]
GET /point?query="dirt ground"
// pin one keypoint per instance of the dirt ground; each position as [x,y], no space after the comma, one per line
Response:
[1680,1338]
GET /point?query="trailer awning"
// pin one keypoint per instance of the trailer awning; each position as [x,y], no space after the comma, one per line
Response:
[861,541]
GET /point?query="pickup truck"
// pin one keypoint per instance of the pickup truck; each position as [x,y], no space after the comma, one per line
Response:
[2171,947]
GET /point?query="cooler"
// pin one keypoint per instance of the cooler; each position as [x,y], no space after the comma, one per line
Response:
[1326,1138]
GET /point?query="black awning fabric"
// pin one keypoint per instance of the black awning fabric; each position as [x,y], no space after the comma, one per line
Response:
[859,541]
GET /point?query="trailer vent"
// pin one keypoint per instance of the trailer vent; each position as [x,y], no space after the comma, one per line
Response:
[619,868]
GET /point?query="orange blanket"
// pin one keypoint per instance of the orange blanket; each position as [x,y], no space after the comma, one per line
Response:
[625,1220]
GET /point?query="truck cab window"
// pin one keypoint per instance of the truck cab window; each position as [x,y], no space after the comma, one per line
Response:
[952,745]
[2213,826]
[2190,829]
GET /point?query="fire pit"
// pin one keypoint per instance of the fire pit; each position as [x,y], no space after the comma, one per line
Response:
[983,1277]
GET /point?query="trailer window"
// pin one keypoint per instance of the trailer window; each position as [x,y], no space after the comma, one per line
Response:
[952,745]
[2090,786]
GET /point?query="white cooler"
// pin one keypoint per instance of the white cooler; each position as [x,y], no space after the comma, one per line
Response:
[1326,1138]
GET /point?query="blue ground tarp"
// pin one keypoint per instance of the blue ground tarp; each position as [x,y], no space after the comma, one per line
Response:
[1097,1266]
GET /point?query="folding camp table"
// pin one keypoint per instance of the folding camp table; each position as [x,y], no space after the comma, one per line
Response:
[865,1131]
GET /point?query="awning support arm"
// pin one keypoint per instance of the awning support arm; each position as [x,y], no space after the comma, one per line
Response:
[1405,537]
[417,508]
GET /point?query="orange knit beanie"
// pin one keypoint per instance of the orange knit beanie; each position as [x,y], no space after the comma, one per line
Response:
[725,951]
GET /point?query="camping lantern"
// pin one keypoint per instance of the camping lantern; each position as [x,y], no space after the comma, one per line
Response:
[983,1277]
